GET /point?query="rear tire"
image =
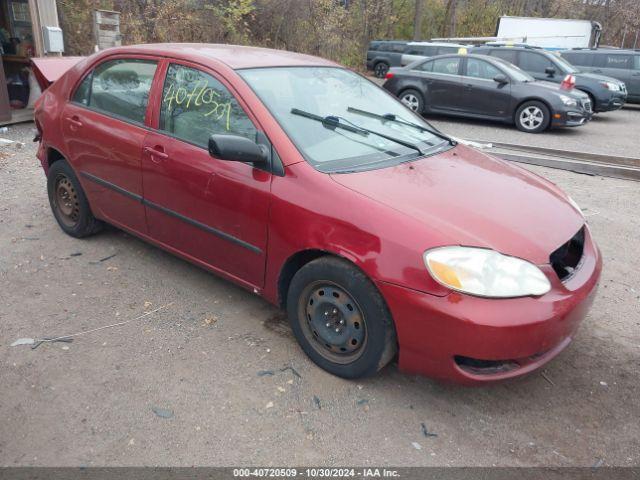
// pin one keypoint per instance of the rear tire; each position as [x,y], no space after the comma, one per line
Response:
[532,117]
[340,319]
[380,69]
[69,203]
[413,100]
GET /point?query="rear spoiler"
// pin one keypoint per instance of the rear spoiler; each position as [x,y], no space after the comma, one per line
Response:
[49,69]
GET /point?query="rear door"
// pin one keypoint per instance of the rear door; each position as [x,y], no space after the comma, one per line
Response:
[482,95]
[104,129]
[443,83]
[209,210]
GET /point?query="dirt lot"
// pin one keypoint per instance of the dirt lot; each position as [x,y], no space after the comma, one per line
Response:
[223,367]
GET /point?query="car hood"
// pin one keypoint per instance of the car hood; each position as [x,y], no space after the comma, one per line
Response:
[595,77]
[555,87]
[465,197]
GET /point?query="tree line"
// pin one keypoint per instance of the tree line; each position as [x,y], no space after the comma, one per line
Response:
[335,29]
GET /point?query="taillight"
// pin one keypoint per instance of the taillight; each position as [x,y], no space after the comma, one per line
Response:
[568,83]
[388,75]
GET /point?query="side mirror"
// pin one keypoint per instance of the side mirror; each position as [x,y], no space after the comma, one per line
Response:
[237,149]
[501,78]
[550,71]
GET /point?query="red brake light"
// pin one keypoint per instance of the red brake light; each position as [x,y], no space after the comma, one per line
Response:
[388,75]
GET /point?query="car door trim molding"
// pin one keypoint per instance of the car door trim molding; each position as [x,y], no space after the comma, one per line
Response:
[172,213]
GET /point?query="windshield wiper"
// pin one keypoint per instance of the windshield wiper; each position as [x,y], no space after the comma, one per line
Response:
[394,118]
[332,122]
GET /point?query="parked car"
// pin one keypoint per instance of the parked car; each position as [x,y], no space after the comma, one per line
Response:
[606,93]
[478,86]
[420,50]
[383,54]
[623,65]
[305,183]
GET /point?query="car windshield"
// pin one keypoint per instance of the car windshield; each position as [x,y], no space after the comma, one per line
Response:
[343,95]
[565,65]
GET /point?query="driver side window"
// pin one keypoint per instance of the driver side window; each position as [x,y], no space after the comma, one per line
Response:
[195,105]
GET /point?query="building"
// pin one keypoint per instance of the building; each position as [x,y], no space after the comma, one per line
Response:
[28,28]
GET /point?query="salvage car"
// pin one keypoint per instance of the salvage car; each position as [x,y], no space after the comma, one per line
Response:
[606,93]
[305,183]
[476,86]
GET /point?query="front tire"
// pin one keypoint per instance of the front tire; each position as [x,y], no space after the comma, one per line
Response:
[532,117]
[69,203]
[340,319]
[413,100]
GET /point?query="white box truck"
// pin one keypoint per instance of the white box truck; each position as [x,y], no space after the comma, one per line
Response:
[549,33]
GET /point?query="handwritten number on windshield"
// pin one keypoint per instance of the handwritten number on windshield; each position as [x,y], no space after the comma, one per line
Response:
[200,95]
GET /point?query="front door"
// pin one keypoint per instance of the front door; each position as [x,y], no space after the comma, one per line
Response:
[212,211]
[104,129]
[482,95]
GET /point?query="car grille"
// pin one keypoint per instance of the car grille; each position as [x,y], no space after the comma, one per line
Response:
[586,104]
[566,259]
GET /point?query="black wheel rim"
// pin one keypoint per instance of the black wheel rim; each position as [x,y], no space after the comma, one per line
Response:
[381,70]
[65,201]
[332,322]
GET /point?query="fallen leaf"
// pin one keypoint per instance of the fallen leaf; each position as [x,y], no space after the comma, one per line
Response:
[269,405]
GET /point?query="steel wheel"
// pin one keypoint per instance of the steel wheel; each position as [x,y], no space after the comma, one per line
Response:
[411,101]
[335,325]
[531,117]
[66,201]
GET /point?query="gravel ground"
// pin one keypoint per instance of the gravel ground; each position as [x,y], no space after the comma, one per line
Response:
[217,378]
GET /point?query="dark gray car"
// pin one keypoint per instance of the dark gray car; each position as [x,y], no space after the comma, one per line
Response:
[606,93]
[623,65]
[383,54]
[483,87]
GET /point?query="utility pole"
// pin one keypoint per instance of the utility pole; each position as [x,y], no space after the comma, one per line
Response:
[417,21]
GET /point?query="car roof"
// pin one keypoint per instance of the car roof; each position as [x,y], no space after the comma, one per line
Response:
[436,44]
[234,56]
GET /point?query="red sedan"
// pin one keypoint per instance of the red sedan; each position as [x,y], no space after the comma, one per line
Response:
[307,184]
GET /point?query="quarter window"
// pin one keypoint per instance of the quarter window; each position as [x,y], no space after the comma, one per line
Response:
[481,69]
[618,61]
[195,105]
[119,87]
[447,66]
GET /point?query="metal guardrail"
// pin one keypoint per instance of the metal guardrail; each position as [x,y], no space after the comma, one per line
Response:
[616,166]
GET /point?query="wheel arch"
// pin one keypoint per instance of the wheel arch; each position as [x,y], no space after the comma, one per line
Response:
[531,99]
[298,260]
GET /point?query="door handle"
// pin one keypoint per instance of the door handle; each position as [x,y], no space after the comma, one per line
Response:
[468,86]
[155,153]
[75,121]
[597,70]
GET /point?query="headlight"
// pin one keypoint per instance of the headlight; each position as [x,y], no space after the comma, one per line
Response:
[568,101]
[614,87]
[485,273]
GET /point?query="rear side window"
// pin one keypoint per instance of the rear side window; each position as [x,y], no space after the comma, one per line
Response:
[447,66]
[119,87]
[83,91]
[636,62]
[195,105]
[534,62]
[580,59]
[425,67]
[616,61]
[505,54]
[399,47]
